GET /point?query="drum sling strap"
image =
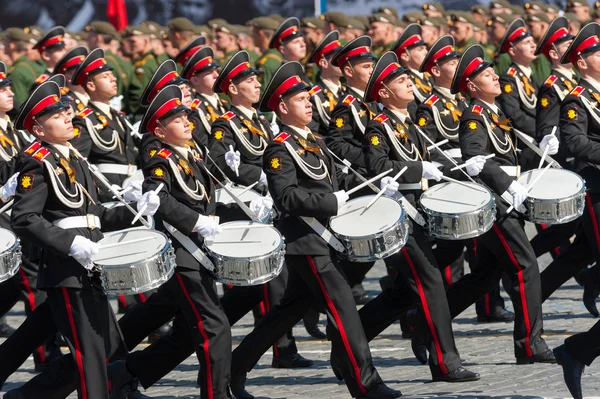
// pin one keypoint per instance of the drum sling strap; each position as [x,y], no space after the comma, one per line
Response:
[191,247]
[324,233]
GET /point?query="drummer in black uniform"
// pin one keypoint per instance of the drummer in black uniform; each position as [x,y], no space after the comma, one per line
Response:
[303,182]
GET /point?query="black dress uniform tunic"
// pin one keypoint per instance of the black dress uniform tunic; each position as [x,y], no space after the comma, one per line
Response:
[324,101]
[519,98]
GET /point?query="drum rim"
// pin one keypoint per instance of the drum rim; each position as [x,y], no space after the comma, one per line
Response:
[161,253]
[552,200]
[429,211]
[14,246]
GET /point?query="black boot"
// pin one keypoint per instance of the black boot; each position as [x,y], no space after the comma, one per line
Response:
[237,385]
[546,356]
[381,391]
[591,290]
[293,361]
[5,330]
[461,374]
[572,370]
[122,382]
[499,315]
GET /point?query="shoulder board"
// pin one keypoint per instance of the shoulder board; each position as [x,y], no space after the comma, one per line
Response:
[551,79]
[477,109]
[432,100]
[164,153]
[228,115]
[511,71]
[577,91]
[349,99]
[281,137]
[85,113]
[32,148]
[381,118]
[42,78]
[314,90]
[195,103]
[41,154]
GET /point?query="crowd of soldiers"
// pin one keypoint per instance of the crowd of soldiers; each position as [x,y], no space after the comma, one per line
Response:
[302,111]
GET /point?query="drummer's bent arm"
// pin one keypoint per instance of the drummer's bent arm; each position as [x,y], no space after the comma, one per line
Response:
[287,195]
[27,220]
[338,139]
[573,131]
[378,160]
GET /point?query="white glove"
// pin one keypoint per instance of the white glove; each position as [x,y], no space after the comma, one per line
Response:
[232,159]
[8,190]
[274,125]
[262,180]
[206,226]
[519,194]
[135,191]
[83,249]
[341,197]
[389,185]
[261,208]
[430,171]
[551,142]
[152,200]
[116,103]
[477,166]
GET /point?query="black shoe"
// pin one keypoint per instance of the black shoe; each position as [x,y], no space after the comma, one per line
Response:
[6,330]
[316,333]
[577,277]
[572,370]
[362,299]
[294,361]
[546,356]
[419,350]
[500,315]
[461,374]
[381,391]
[14,394]
[237,384]
[122,382]
[159,333]
[407,322]
[591,290]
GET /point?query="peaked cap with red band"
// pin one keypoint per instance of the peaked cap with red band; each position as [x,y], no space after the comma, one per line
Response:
[329,46]
[202,60]
[93,64]
[165,75]
[470,64]
[557,32]
[411,37]
[517,31]
[4,79]
[357,48]
[386,69]
[441,50]
[587,41]
[190,49]
[236,68]
[167,103]
[44,100]
[72,59]
[288,30]
[54,37]
[286,81]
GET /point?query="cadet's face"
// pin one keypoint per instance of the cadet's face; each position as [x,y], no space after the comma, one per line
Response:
[487,82]
[363,68]
[92,40]
[402,88]
[310,35]
[175,129]
[497,31]
[430,34]
[206,79]
[593,63]
[53,55]
[537,29]
[378,32]
[299,108]
[562,47]
[55,128]
[249,89]
[170,49]
[448,68]
[187,95]
[224,40]
[526,48]
[105,84]
[137,44]
[6,98]
[460,31]
[294,50]
[418,54]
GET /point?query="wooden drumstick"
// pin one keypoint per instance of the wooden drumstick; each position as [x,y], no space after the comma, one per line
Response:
[249,226]
[471,162]
[437,145]
[7,206]
[250,187]
[141,211]
[533,183]
[382,191]
[374,179]
[462,183]
[117,244]
[545,154]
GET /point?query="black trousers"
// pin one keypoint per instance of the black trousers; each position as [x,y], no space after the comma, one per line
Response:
[315,281]
[585,346]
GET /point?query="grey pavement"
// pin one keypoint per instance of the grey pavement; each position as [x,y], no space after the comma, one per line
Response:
[484,348]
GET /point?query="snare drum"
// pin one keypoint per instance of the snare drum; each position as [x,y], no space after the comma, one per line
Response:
[10,254]
[557,198]
[222,197]
[368,236]
[456,212]
[246,255]
[144,261]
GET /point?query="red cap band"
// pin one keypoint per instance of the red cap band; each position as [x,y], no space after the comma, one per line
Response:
[589,42]
[326,49]
[359,50]
[50,42]
[292,30]
[160,112]
[473,65]
[407,43]
[285,86]
[555,36]
[162,83]
[514,36]
[199,65]
[73,62]
[183,59]
[39,107]
[441,53]
[89,69]
[381,78]
[231,75]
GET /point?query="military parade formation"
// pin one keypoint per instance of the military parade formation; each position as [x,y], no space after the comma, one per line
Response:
[282,159]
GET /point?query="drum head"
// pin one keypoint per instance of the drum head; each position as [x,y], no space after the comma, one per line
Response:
[224,198]
[147,243]
[352,221]
[245,242]
[554,184]
[453,198]
[7,239]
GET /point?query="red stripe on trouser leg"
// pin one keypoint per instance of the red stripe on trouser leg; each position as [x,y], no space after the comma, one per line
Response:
[31,301]
[267,308]
[209,383]
[487,304]
[474,247]
[448,275]
[122,300]
[78,356]
[338,321]
[588,200]
[544,226]
[142,297]
[109,381]
[436,341]
[521,288]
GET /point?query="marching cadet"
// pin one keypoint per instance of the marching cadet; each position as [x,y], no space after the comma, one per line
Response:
[186,52]
[434,9]
[23,72]
[313,31]
[581,9]
[105,134]
[411,50]
[181,31]
[579,126]
[243,38]
[336,20]
[519,88]
[538,25]
[497,26]
[392,142]
[431,28]
[480,13]
[289,40]
[56,208]
[303,182]
[156,40]
[67,67]
[225,41]
[485,130]
[239,137]
[381,31]
[142,56]
[325,95]
[201,71]
[51,48]
[263,29]
[500,7]
[102,35]
[462,30]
